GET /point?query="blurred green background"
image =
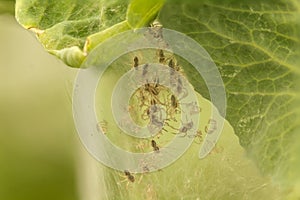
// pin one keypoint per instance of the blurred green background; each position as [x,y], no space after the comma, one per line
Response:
[38,141]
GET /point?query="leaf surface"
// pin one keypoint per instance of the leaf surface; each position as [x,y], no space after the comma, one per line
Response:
[255,45]
[71,29]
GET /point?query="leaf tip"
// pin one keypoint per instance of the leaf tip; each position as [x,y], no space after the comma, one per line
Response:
[72,56]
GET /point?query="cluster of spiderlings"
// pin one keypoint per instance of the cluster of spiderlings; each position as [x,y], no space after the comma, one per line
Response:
[157,105]
[154,99]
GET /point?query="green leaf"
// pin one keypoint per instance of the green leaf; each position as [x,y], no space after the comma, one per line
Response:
[71,29]
[255,45]
[141,13]
[63,26]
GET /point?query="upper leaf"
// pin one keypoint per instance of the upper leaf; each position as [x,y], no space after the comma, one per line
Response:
[140,14]
[70,29]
